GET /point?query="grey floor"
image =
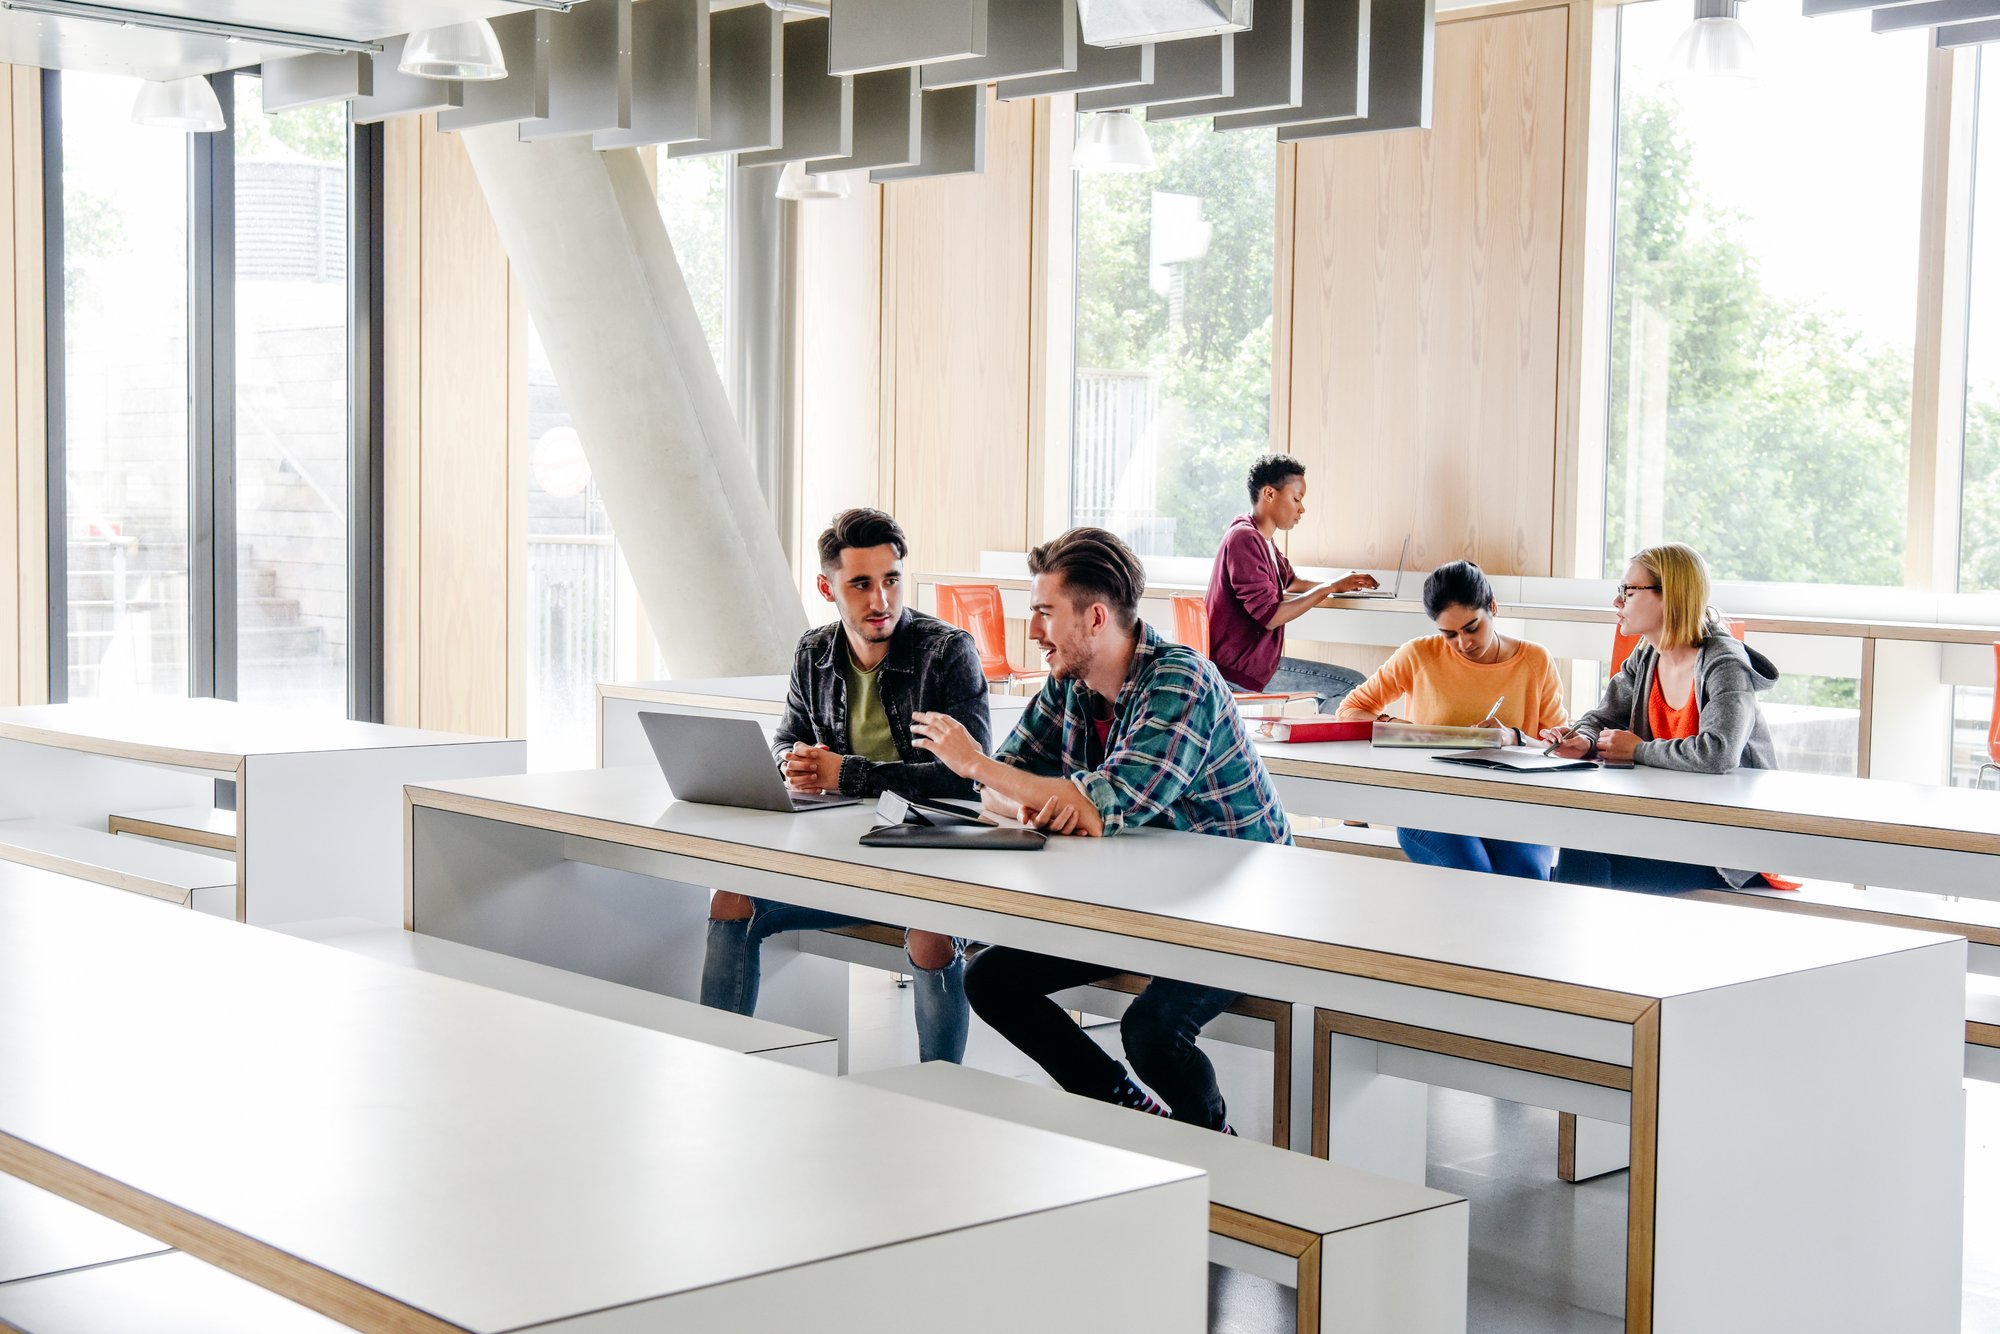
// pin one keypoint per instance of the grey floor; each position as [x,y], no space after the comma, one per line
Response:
[1547,1258]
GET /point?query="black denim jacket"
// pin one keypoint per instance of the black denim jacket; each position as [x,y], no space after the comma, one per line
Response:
[932,667]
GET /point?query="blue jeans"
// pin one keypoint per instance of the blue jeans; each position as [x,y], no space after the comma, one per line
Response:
[1613,870]
[1529,861]
[1010,989]
[733,967]
[1329,682]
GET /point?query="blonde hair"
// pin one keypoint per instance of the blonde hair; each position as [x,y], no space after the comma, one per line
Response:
[1684,589]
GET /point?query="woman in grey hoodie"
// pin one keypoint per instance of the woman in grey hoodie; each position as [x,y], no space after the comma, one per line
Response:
[1686,699]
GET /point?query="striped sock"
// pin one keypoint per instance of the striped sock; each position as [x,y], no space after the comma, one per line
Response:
[1127,1094]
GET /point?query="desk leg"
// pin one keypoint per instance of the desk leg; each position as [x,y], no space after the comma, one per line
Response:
[1587,1148]
[1362,1117]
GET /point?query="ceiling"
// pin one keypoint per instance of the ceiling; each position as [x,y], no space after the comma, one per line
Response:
[106,48]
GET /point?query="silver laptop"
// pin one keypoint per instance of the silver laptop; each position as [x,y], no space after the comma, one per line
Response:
[1393,591]
[724,762]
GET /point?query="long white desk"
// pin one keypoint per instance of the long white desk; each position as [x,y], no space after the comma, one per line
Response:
[317,826]
[1751,1053]
[1939,840]
[411,1153]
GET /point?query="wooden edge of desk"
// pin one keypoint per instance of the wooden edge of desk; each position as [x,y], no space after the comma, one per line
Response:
[1320,843]
[208,761]
[1981,1035]
[1975,932]
[97,875]
[1642,1201]
[1268,1234]
[269,1268]
[1453,785]
[1533,1060]
[170,833]
[1511,988]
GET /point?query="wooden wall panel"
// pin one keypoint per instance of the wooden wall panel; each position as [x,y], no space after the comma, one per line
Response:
[456,500]
[840,363]
[24,533]
[1425,289]
[958,282]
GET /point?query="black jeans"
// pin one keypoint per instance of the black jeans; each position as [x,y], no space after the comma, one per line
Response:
[1010,989]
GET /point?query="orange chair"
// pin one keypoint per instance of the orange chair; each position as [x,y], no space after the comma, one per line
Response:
[1191,628]
[1992,728]
[976,609]
[1622,644]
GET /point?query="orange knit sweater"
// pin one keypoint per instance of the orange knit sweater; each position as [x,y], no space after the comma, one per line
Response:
[1444,688]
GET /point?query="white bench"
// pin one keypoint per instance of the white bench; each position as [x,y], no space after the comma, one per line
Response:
[1367,1255]
[574,991]
[193,826]
[1252,1021]
[170,1291]
[178,875]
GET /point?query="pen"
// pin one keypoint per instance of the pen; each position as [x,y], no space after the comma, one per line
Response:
[1562,734]
[1494,712]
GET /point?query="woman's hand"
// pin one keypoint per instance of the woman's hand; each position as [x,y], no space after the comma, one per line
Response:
[1352,583]
[1616,747]
[1565,742]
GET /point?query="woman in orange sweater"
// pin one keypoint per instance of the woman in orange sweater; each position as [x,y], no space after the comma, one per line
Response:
[1467,675]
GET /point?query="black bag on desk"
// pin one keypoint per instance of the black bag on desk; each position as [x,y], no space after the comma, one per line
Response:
[937,824]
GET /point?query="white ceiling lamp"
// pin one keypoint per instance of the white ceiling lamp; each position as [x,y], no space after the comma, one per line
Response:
[1715,46]
[468,52]
[1113,141]
[179,104]
[795,182]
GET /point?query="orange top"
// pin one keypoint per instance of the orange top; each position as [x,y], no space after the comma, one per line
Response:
[1668,723]
[1446,689]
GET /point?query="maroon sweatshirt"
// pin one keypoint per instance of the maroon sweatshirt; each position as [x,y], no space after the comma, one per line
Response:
[1247,584]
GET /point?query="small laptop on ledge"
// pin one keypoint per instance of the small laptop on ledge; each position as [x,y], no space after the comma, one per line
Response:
[1393,591]
[725,762]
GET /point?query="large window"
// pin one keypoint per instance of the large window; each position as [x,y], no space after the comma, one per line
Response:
[291,403]
[1173,337]
[1979,547]
[204,435]
[1764,298]
[124,394]
[586,625]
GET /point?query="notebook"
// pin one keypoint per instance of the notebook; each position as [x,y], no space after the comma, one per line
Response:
[1517,759]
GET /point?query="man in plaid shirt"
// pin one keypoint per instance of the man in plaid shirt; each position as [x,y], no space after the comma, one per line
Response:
[1130,730]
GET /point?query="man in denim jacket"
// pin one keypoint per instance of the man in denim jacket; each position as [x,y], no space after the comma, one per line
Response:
[855,685]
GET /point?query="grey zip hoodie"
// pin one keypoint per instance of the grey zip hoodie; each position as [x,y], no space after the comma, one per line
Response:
[1727,681]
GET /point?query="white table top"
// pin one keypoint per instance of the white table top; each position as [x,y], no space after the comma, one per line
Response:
[1284,903]
[203,733]
[493,1161]
[1873,809]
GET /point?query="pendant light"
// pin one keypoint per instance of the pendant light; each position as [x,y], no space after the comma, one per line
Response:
[468,52]
[795,182]
[1715,46]
[179,104]
[1113,141]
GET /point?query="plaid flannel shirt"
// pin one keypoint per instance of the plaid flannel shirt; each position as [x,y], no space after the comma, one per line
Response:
[1178,754]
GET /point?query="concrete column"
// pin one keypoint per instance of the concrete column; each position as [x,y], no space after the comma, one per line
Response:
[586,240]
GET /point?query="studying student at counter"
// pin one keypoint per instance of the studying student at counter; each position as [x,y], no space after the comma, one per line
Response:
[1685,699]
[1467,675]
[856,686]
[1253,593]
[1130,730]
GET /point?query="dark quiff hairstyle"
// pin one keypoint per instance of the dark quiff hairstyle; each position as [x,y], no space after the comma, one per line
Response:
[860,528]
[1095,566]
[1457,584]
[1273,470]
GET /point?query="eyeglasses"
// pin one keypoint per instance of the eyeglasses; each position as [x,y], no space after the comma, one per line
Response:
[1627,590]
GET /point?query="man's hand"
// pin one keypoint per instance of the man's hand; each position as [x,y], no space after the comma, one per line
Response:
[1616,747]
[1066,814]
[812,768]
[945,737]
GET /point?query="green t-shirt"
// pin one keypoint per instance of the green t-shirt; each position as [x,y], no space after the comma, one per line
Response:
[867,721]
